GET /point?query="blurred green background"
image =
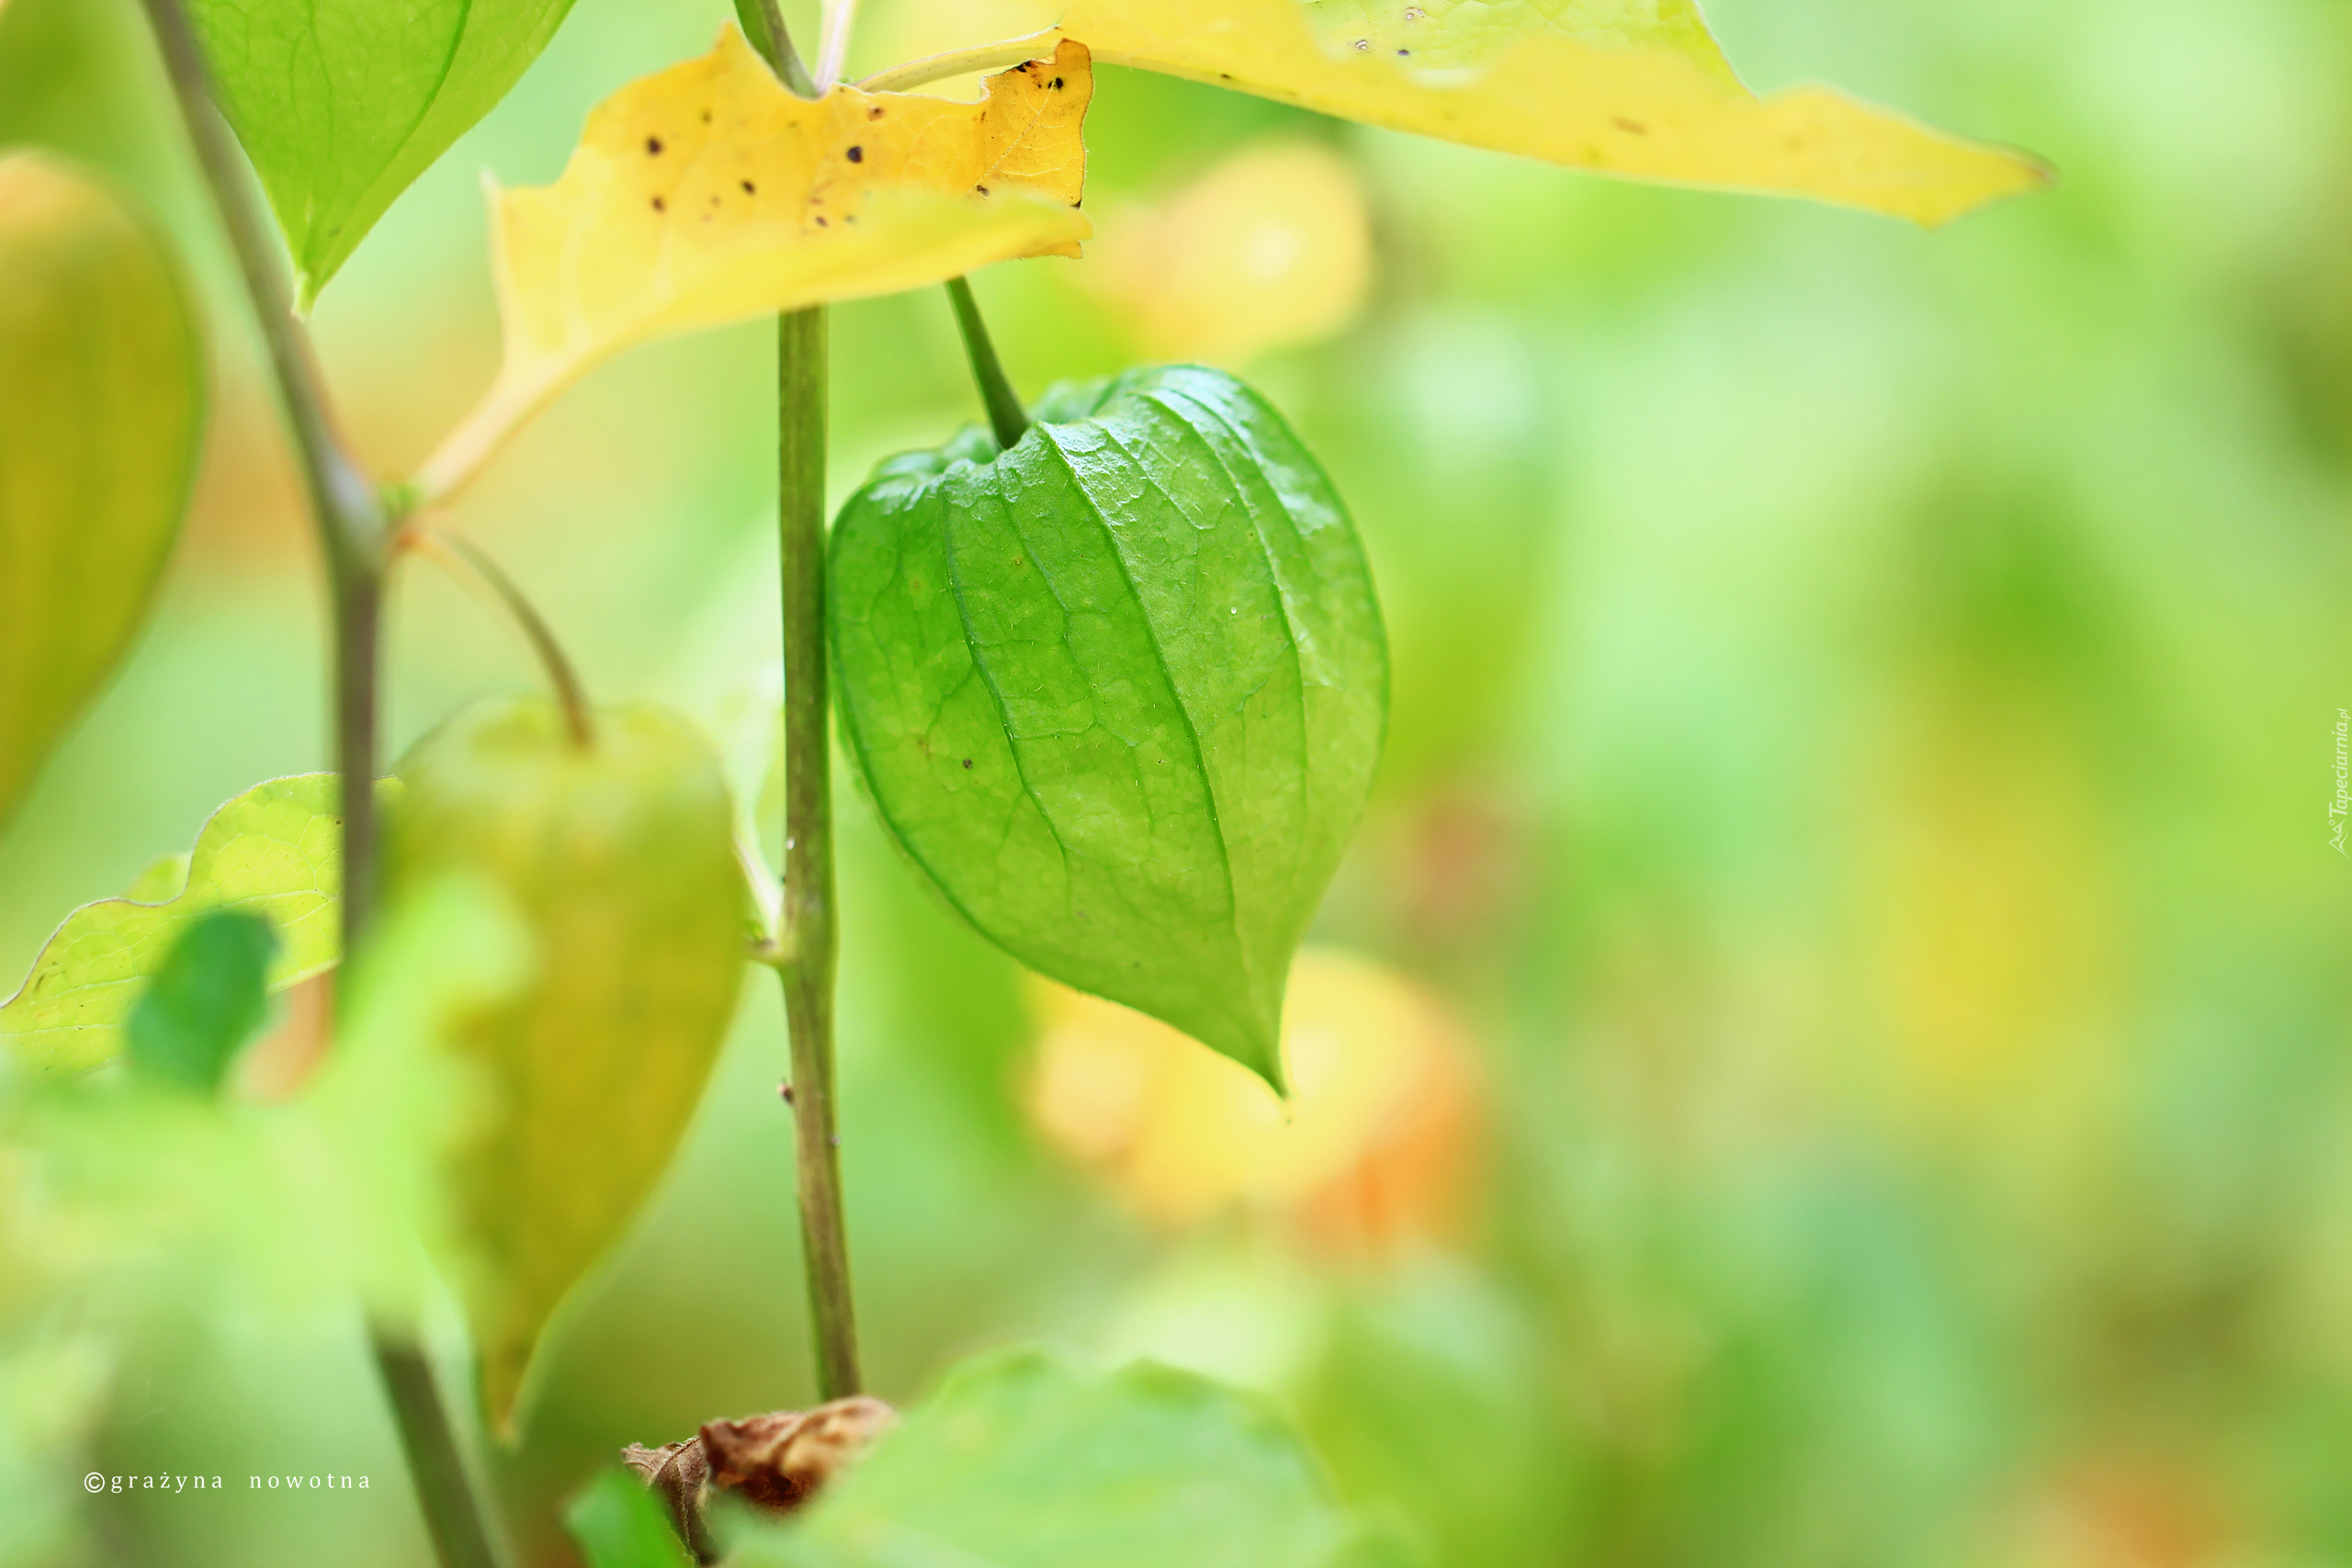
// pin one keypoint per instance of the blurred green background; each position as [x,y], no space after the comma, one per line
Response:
[1857,797]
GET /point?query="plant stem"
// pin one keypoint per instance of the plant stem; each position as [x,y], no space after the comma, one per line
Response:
[807,938]
[764,26]
[351,520]
[810,934]
[438,1469]
[1006,416]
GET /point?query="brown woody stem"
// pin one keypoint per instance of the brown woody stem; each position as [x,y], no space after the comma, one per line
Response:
[352,525]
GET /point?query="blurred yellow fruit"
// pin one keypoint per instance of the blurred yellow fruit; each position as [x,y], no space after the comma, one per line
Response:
[1375,1148]
[1270,249]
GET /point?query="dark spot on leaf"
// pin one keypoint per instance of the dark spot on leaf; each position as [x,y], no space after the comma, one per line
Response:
[1057,83]
[968,761]
[659,205]
[857,154]
[653,145]
[821,221]
[705,117]
[1632,127]
[874,113]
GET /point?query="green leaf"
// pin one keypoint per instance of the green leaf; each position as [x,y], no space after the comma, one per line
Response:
[207,1000]
[272,850]
[1119,692]
[1025,1461]
[342,103]
[101,406]
[618,1524]
[619,859]
[1631,88]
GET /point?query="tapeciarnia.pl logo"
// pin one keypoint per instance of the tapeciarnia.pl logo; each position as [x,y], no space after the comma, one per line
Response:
[2341,806]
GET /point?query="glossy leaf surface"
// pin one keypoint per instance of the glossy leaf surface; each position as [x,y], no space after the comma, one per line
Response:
[1025,1461]
[709,193]
[207,1000]
[342,103]
[1120,690]
[1631,88]
[101,409]
[619,859]
[273,851]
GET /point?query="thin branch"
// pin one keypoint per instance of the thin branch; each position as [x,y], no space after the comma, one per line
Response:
[1006,416]
[352,520]
[468,563]
[910,74]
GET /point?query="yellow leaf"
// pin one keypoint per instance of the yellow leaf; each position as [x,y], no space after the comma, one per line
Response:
[1271,248]
[709,193]
[1638,90]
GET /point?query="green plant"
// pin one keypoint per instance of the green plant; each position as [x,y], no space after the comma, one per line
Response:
[1112,669]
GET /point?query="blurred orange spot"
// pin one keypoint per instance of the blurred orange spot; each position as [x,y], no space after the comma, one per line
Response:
[276,1067]
[2128,1514]
[1374,1148]
[1270,249]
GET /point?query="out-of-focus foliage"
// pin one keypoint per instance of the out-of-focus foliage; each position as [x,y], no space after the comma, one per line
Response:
[1119,690]
[1858,784]
[709,192]
[618,1524]
[616,850]
[101,406]
[1632,89]
[1025,1458]
[270,852]
[341,104]
[204,1003]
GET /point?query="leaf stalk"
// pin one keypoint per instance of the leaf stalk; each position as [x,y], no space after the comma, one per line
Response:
[1006,416]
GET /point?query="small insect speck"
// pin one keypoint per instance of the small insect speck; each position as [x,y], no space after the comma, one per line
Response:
[874,113]
[821,221]
[705,117]
[982,189]
[653,145]
[1057,83]
[1403,51]
[1363,46]
[659,205]
[968,761]
[783,1091]
[1412,13]
[749,189]
[1633,127]
[857,154]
